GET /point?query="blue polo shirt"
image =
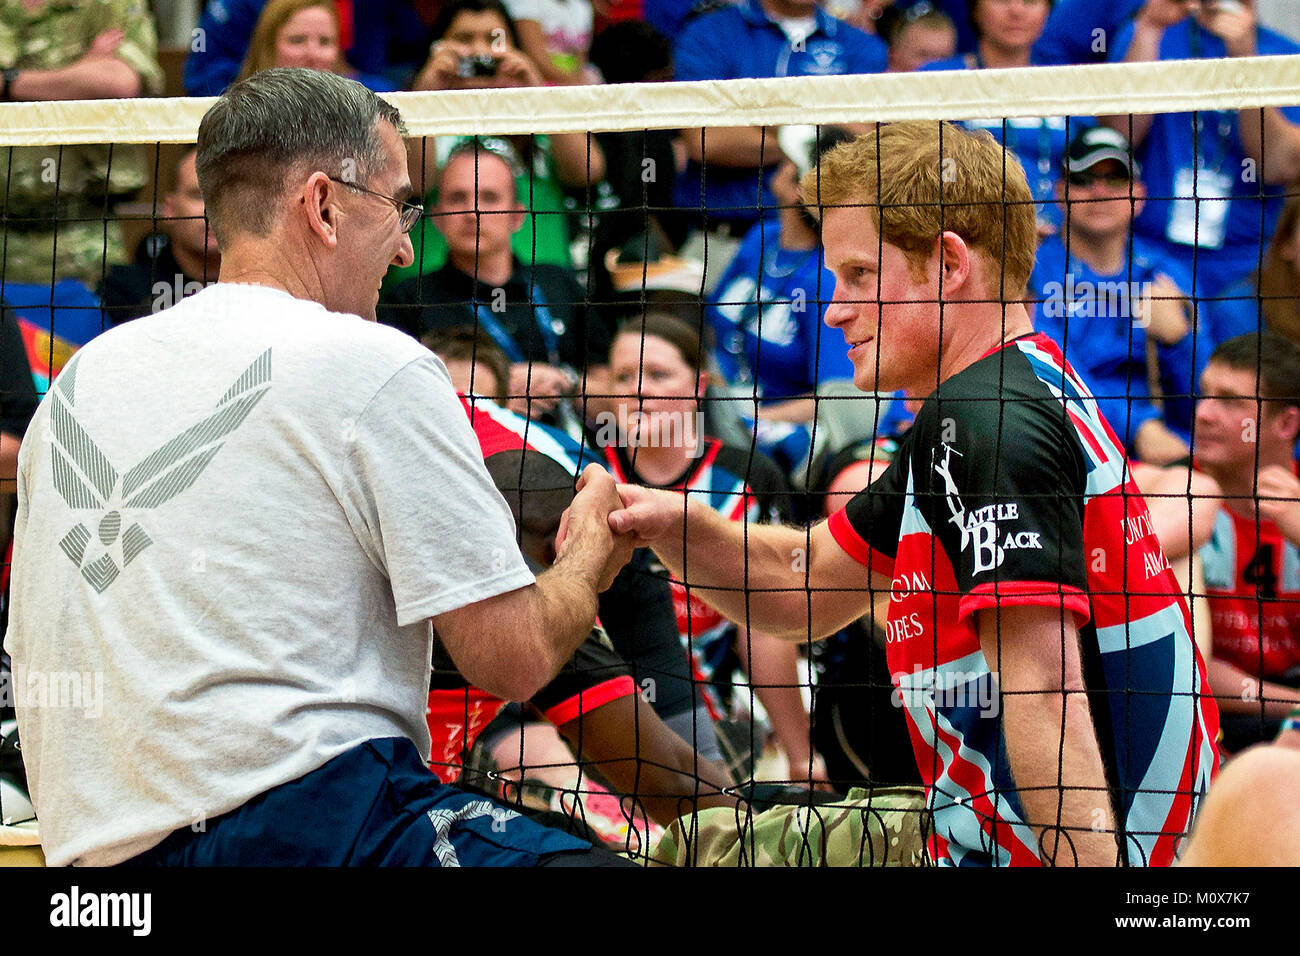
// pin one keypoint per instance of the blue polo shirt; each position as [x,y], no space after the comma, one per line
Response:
[1090,316]
[1171,151]
[1071,36]
[766,314]
[744,42]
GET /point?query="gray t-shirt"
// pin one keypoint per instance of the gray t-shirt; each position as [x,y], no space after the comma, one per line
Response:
[235,518]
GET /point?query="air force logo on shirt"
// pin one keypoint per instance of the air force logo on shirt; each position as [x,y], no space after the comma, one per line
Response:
[87,481]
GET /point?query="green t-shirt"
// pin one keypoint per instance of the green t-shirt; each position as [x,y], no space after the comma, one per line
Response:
[543,237]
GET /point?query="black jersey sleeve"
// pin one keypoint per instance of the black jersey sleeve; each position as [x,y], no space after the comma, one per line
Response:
[868,527]
[1000,480]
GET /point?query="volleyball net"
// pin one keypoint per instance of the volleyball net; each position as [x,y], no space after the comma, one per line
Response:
[633,212]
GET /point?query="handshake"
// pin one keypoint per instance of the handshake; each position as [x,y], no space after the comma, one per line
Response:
[612,519]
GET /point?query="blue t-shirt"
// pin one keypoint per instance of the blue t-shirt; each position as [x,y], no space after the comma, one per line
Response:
[1094,319]
[743,42]
[783,346]
[1038,142]
[1169,155]
[1071,34]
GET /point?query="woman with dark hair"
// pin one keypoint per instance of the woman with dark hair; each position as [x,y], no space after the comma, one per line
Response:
[654,437]
[1006,32]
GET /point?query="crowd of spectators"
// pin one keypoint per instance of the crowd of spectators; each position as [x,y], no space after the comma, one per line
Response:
[1165,241]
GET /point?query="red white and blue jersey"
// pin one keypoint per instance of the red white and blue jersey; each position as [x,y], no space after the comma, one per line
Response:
[1011,489]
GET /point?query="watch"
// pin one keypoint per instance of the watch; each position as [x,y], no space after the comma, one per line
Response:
[7,78]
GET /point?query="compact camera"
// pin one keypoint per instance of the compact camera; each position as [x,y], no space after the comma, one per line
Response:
[477,65]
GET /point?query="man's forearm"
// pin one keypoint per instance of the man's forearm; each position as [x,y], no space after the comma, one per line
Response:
[1144,48]
[1272,141]
[749,572]
[1070,813]
[740,147]
[106,78]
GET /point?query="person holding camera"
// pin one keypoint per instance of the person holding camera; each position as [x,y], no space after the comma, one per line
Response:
[477,47]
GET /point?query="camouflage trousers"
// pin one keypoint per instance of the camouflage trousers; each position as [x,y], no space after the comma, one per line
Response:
[884,826]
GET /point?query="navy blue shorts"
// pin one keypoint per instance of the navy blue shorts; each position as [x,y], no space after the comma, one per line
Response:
[375,805]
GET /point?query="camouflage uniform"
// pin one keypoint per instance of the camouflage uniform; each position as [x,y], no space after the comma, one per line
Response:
[886,826]
[69,187]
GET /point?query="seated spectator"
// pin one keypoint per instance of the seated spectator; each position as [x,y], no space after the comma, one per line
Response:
[556,34]
[766,312]
[917,36]
[178,260]
[1101,295]
[383,42]
[1007,33]
[535,313]
[477,47]
[653,439]
[593,702]
[295,33]
[730,168]
[1204,156]
[1267,299]
[1247,425]
[60,227]
[1082,31]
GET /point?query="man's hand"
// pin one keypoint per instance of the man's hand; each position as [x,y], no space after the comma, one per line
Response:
[1234,22]
[105,45]
[1166,13]
[516,69]
[585,525]
[1167,310]
[441,71]
[536,388]
[1279,500]
[649,514]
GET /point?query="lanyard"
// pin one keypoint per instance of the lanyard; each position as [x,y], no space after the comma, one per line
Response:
[1046,178]
[549,326]
[1223,140]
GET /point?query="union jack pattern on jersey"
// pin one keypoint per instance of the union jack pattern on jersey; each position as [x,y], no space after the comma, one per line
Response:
[1011,489]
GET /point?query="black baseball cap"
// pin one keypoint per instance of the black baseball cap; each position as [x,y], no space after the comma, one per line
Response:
[1097,144]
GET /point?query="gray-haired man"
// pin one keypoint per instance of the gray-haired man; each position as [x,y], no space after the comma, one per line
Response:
[237,518]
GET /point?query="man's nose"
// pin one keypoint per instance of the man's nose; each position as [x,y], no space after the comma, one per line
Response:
[405,255]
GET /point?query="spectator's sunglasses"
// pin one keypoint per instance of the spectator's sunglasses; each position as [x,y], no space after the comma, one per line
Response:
[408,213]
[1088,178]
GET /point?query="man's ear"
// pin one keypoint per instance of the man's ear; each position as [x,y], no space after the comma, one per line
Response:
[1287,423]
[955,263]
[319,201]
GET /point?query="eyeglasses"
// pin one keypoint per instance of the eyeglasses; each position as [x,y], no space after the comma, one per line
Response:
[408,213]
[1085,179]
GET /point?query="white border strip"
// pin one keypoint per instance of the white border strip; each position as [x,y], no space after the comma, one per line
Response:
[973,94]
